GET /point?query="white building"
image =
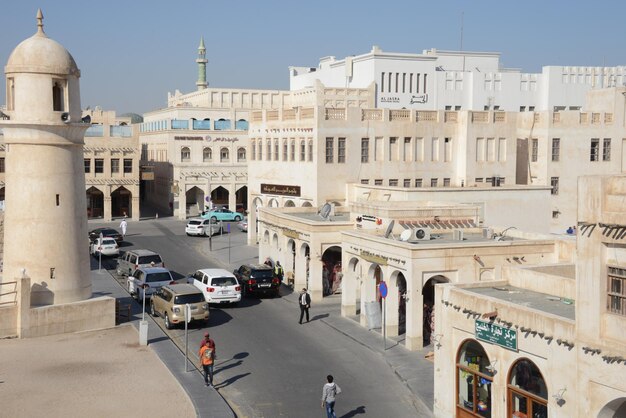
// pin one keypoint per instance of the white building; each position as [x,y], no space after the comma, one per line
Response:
[458,80]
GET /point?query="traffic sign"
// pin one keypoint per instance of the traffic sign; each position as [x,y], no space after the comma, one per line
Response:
[382,288]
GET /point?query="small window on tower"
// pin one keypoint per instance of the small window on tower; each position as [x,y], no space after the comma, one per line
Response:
[58,96]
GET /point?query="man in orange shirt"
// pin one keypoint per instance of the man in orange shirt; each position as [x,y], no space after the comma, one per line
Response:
[207,358]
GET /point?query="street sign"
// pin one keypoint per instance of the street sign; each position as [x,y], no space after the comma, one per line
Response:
[382,288]
[495,334]
[228,227]
[188,312]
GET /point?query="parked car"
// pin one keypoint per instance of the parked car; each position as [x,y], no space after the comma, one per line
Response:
[217,285]
[243,225]
[205,227]
[104,246]
[222,214]
[257,279]
[131,260]
[145,281]
[169,302]
[106,232]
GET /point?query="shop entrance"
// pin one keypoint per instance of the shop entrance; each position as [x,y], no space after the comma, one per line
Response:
[95,203]
[615,408]
[121,200]
[428,297]
[331,271]
[401,286]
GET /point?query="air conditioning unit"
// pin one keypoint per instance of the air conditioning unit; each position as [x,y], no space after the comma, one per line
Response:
[457,235]
[419,234]
[487,233]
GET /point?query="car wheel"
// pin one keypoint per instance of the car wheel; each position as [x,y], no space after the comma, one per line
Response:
[168,324]
[237,218]
[152,311]
[207,232]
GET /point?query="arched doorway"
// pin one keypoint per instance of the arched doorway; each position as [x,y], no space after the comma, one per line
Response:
[526,390]
[273,203]
[401,286]
[256,204]
[428,297]
[354,267]
[219,196]
[473,378]
[614,409]
[121,200]
[266,237]
[307,205]
[331,271]
[241,197]
[275,241]
[95,203]
[290,204]
[195,201]
[2,194]
[291,263]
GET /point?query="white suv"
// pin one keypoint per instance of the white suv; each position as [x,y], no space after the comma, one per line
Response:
[217,285]
[145,281]
[206,227]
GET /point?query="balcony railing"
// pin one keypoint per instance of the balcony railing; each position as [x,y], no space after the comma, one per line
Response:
[180,124]
[450,116]
[201,124]
[372,114]
[95,130]
[426,116]
[123,131]
[335,114]
[400,115]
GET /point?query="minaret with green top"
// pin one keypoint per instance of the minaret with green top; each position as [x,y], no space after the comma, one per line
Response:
[201,83]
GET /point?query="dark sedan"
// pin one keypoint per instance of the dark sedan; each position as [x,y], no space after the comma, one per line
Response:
[106,233]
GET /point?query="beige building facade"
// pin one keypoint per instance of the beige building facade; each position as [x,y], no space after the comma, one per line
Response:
[544,340]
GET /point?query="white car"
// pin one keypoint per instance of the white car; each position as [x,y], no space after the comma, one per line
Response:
[203,227]
[104,246]
[217,285]
[145,281]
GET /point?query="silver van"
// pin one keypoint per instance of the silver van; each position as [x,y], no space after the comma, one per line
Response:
[132,260]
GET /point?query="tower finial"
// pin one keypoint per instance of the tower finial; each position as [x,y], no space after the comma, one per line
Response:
[39,21]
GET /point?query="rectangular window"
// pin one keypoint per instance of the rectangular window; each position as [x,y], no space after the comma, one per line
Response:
[365,181]
[285,150]
[417,83]
[435,150]
[447,149]
[2,165]
[407,182]
[365,150]
[534,153]
[425,75]
[480,149]
[594,154]
[115,165]
[446,182]
[269,150]
[341,150]
[378,182]
[502,149]
[276,152]
[410,82]
[393,182]
[433,182]
[418,182]
[419,149]
[87,165]
[292,149]
[382,82]
[616,290]
[397,81]
[302,151]
[128,165]
[98,165]
[554,182]
[393,149]
[556,149]
[606,149]
[478,180]
[253,149]
[491,149]
[58,95]
[406,152]
[329,149]
[403,82]
[310,150]
[389,83]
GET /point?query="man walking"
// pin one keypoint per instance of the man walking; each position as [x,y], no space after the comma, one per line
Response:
[304,300]
[329,393]
[123,226]
[207,357]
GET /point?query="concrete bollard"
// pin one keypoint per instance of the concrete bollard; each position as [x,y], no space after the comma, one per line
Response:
[143,332]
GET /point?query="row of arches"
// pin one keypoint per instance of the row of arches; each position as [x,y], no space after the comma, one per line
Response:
[207,154]
[121,203]
[220,196]
[527,393]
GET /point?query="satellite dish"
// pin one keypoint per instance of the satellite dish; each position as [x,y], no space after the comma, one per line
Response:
[325,211]
[390,229]
[406,235]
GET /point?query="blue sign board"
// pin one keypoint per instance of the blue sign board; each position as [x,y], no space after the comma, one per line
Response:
[496,334]
[382,288]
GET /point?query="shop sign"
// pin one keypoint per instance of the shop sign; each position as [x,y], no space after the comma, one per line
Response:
[280,189]
[147,175]
[290,233]
[373,258]
[188,138]
[495,334]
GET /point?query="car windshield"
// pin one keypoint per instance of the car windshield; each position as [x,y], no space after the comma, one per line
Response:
[109,232]
[149,259]
[195,222]
[158,277]
[223,281]
[262,274]
[192,298]
[108,241]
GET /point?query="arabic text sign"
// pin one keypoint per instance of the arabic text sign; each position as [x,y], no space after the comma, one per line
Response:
[280,189]
[496,334]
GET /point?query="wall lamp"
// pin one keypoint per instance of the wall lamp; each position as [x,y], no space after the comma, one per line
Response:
[558,397]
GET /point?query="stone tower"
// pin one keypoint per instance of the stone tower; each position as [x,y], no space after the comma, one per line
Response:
[45,234]
[201,60]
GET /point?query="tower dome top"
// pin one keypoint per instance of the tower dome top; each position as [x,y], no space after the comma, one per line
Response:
[40,54]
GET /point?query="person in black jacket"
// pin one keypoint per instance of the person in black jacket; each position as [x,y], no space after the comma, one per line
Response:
[304,300]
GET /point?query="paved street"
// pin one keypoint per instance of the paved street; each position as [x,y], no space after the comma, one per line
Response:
[269,365]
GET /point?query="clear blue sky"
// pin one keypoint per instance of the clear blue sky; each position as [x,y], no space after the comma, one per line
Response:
[131,53]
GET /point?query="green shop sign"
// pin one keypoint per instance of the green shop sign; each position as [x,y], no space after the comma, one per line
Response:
[496,334]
